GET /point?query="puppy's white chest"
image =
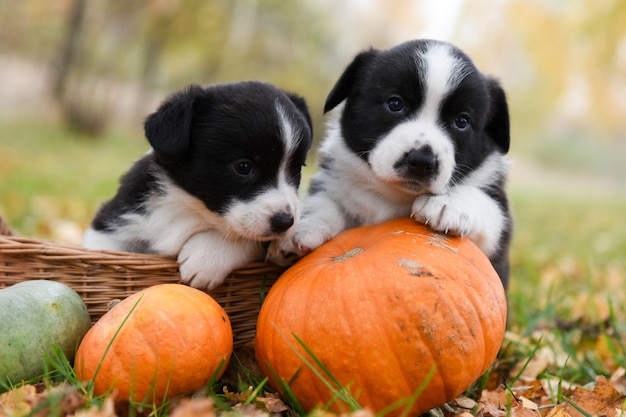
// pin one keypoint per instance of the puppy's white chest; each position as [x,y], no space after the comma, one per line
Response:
[367,206]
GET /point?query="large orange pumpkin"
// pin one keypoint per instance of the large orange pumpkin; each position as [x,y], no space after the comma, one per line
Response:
[381,307]
[170,340]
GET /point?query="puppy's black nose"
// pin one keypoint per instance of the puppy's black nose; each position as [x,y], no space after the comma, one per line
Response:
[421,162]
[281,222]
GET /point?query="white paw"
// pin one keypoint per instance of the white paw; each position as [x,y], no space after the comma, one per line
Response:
[443,213]
[311,236]
[306,238]
[283,252]
[206,259]
[199,269]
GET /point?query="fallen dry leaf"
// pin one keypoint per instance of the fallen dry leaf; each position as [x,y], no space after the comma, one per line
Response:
[521,411]
[500,398]
[618,379]
[244,410]
[194,407]
[18,402]
[602,400]
[494,402]
[558,411]
[31,401]
[527,403]
[273,403]
[465,403]
[532,390]
[237,397]
[522,401]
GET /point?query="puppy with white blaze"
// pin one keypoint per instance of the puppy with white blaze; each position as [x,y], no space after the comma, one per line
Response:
[417,131]
[220,180]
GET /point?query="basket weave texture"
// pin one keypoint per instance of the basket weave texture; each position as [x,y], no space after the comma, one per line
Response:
[102,277]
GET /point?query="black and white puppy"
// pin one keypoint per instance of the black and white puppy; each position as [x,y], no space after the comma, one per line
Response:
[418,131]
[221,179]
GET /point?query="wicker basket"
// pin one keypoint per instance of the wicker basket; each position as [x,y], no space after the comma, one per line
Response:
[101,277]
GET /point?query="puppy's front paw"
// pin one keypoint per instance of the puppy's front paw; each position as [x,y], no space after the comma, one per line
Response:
[283,252]
[206,258]
[311,236]
[443,214]
[199,269]
[306,238]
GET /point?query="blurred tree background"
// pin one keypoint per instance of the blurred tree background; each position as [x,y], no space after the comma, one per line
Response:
[111,60]
[97,64]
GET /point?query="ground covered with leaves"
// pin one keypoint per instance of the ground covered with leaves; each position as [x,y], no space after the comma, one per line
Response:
[531,385]
[528,398]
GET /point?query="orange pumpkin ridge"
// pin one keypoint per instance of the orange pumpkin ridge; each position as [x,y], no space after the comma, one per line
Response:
[173,340]
[379,306]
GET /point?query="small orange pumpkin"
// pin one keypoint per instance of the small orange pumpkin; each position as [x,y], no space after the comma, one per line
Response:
[381,307]
[171,340]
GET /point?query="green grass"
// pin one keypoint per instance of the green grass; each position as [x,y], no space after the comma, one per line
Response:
[51,174]
[567,257]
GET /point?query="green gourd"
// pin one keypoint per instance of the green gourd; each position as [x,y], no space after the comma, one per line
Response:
[35,316]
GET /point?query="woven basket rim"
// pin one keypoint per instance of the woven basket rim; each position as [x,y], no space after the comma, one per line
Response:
[50,248]
[102,276]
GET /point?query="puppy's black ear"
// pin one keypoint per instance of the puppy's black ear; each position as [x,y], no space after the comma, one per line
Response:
[301,105]
[168,128]
[498,125]
[342,88]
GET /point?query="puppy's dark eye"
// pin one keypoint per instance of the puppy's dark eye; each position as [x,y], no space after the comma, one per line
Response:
[243,167]
[395,105]
[462,122]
